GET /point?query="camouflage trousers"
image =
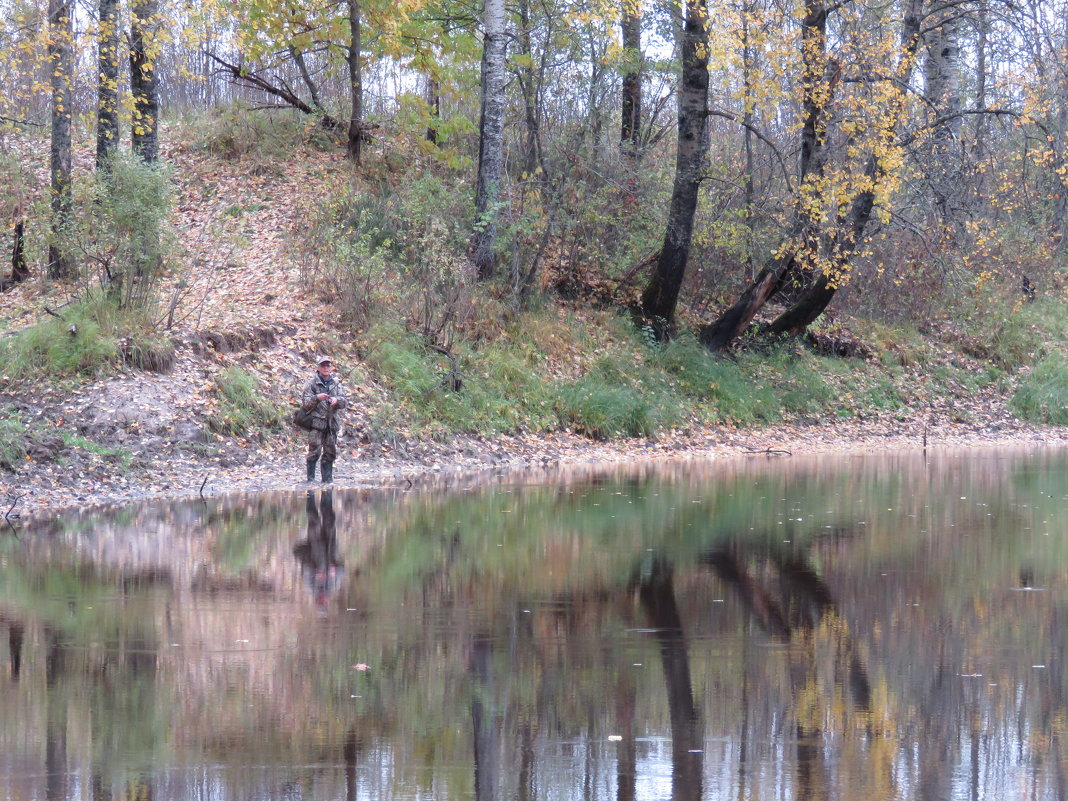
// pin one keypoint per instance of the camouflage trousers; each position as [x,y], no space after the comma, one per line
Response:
[322,442]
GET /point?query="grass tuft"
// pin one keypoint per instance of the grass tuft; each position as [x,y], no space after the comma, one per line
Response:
[12,439]
[241,407]
[1043,395]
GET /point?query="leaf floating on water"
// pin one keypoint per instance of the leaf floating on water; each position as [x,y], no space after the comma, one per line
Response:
[361,666]
[614,738]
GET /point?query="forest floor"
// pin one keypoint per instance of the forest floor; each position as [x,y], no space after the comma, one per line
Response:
[241,302]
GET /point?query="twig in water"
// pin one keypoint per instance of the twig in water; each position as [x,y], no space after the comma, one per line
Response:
[202,483]
[7,514]
[769,452]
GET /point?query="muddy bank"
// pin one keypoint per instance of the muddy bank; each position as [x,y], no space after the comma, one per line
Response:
[162,468]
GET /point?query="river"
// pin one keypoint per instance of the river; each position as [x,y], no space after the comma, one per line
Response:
[864,627]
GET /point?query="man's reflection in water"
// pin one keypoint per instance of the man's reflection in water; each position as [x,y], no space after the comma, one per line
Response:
[318,552]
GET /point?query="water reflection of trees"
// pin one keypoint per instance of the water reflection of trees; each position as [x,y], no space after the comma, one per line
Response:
[728,662]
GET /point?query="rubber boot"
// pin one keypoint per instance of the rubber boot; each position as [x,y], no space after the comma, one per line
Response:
[311,469]
[328,472]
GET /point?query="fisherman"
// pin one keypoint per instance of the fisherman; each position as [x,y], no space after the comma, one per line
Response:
[323,398]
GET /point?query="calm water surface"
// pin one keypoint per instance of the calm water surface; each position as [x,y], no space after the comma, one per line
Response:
[802,628]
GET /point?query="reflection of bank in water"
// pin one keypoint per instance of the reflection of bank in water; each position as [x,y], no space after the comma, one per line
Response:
[317,553]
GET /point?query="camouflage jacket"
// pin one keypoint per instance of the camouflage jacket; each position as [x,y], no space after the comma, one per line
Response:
[322,413]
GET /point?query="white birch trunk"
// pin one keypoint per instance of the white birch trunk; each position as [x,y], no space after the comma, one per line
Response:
[491,139]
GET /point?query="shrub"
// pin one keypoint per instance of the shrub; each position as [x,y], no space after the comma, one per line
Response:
[392,252]
[119,231]
[238,131]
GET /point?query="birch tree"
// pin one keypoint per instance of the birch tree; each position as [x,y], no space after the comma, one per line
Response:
[490,139]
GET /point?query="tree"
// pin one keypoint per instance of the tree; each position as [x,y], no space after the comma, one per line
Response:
[352,57]
[60,60]
[490,139]
[943,96]
[836,188]
[107,109]
[631,107]
[661,295]
[144,18]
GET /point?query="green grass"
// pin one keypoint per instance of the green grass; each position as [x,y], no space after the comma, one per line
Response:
[500,391]
[241,407]
[12,438]
[120,455]
[617,398]
[1026,335]
[91,338]
[628,388]
[1043,394]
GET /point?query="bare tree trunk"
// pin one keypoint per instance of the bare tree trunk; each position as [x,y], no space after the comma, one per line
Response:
[305,76]
[631,116]
[661,295]
[20,271]
[529,85]
[982,36]
[107,104]
[143,85]
[491,140]
[433,100]
[355,82]
[60,60]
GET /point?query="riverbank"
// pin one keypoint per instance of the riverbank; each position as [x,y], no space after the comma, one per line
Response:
[51,488]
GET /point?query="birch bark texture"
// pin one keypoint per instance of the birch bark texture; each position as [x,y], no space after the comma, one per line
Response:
[490,139]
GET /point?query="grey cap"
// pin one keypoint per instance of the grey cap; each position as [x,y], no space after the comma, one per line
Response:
[323,359]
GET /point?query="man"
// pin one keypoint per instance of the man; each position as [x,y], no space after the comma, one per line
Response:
[324,397]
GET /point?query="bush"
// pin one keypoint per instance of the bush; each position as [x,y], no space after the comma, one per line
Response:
[392,252]
[238,131]
[240,406]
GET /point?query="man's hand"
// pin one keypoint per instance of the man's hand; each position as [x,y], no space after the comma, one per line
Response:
[333,401]
[322,396]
